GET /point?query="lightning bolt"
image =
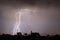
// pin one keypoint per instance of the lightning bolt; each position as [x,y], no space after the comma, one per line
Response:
[17,25]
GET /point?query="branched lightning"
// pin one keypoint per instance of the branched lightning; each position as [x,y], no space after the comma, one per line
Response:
[18,17]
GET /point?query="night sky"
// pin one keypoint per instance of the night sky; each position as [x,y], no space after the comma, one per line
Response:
[24,16]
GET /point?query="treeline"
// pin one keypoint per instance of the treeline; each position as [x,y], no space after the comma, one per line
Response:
[32,36]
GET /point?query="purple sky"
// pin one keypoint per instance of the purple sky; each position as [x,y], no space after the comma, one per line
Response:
[37,16]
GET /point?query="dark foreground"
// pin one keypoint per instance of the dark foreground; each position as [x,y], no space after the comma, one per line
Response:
[32,36]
